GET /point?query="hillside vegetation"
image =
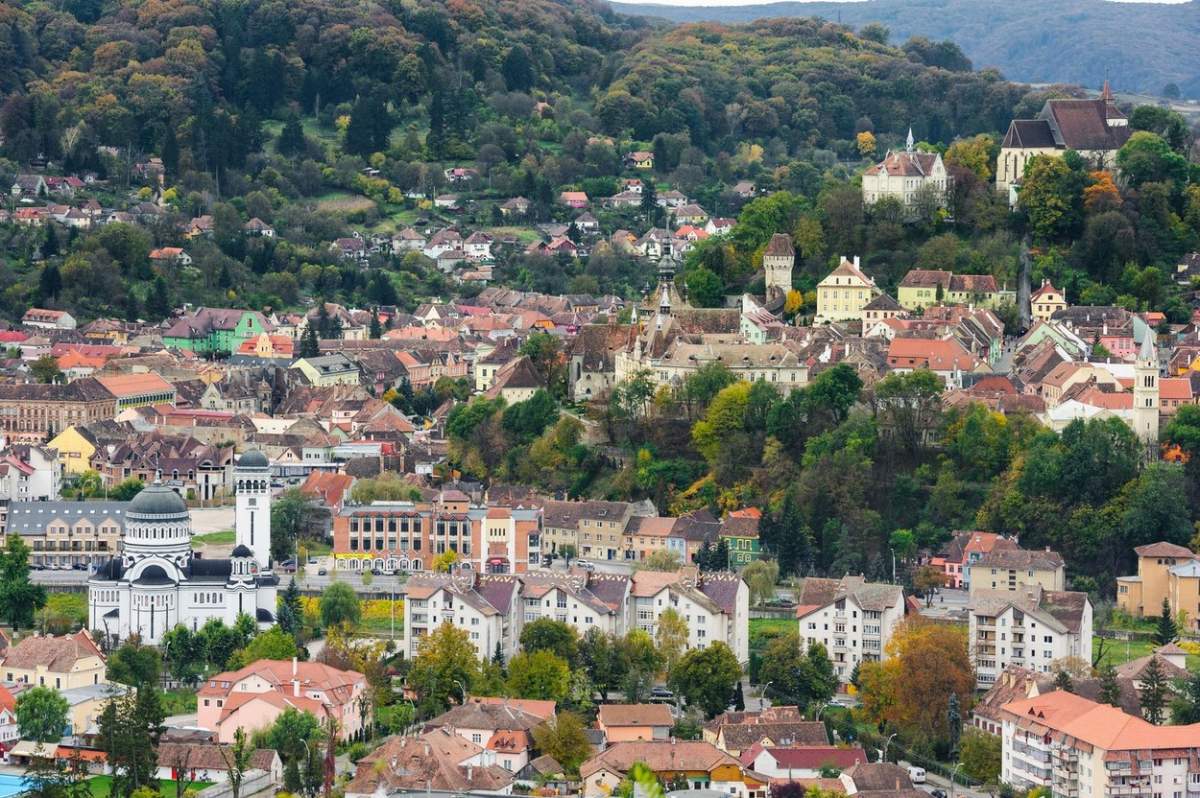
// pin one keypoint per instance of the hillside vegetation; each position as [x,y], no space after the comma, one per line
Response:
[1143,46]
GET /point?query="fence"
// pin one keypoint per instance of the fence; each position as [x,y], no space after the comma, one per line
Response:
[254,781]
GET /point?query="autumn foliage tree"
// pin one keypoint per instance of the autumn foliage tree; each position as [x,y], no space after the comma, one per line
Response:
[910,690]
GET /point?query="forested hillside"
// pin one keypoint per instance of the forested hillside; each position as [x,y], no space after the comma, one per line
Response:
[1143,47]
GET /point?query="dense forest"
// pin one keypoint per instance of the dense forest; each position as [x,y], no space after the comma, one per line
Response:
[1142,47]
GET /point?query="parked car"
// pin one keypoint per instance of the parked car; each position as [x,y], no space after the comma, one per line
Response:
[661,694]
[916,774]
[321,572]
[585,565]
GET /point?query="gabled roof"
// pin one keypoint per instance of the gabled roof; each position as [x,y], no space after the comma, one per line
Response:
[635,715]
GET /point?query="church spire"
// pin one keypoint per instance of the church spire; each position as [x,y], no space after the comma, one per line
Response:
[908,143]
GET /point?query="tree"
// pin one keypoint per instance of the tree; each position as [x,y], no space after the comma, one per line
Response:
[926,580]
[706,676]
[1063,681]
[1155,692]
[291,138]
[954,721]
[339,604]
[600,658]
[671,637]
[183,651]
[158,303]
[1185,707]
[661,560]
[291,733]
[309,343]
[910,689]
[290,611]
[1051,197]
[637,663]
[237,760]
[865,140]
[446,665]
[1110,688]
[50,280]
[760,576]
[517,69]
[1165,630]
[274,643]
[548,634]
[705,288]
[545,355]
[135,664]
[797,676]
[19,598]
[42,714]
[540,675]
[45,370]
[1147,158]
[564,737]
[130,727]
[980,756]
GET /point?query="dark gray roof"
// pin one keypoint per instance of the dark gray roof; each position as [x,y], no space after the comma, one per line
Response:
[154,575]
[32,518]
[157,499]
[254,459]
[199,567]
[242,550]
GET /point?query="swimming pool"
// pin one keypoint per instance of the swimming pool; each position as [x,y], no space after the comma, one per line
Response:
[11,785]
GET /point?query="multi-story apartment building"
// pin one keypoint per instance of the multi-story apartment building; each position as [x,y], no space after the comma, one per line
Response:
[407,535]
[1010,568]
[715,606]
[1031,628]
[28,473]
[68,534]
[594,530]
[1165,571]
[853,618]
[1076,748]
[494,608]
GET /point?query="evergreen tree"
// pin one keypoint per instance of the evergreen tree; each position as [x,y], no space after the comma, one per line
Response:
[739,697]
[170,154]
[517,69]
[309,345]
[435,140]
[1185,709]
[376,327]
[291,611]
[954,721]
[1110,688]
[649,197]
[158,304]
[1062,681]
[1154,692]
[50,243]
[291,138]
[498,655]
[50,281]
[129,730]
[291,777]
[1166,631]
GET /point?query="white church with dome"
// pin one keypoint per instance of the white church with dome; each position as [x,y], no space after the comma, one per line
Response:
[156,582]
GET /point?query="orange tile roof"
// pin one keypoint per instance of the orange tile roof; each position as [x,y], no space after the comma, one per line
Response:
[1175,388]
[124,385]
[1101,725]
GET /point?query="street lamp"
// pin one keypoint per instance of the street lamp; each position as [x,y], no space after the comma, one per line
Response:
[762,696]
[888,742]
[953,774]
[464,690]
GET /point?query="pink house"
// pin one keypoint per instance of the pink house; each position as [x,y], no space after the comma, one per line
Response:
[253,697]
[964,548]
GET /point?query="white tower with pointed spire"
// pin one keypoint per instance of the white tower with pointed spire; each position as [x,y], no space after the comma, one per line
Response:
[908,142]
[1146,392]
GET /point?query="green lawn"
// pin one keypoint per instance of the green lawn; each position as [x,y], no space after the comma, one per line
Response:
[763,629]
[101,786]
[224,537]
[179,702]
[1118,652]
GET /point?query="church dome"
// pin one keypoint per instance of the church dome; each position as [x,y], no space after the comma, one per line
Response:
[254,459]
[153,575]
[157,499]
[242,551]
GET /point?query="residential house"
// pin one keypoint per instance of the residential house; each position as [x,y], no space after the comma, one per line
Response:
[483,608]
[638,159]
[505,729]
[878,780]
[75,447]
[517,206]
[1165,572]
[48,319]
[210,762]
[59,662]
[844,292]
[1016,683]
[714,605]
[349,248]
[327,370]
[436,760]
[803,762]
[447,202]
[251,698]
[962,550]
[945,357]
[1046,301]
[1011,568]
[1031,627]
[257,227]
[631,722]
[29,187]
[739,530]
[699,764]
[215,330]
[574,199]
[777,726]
[170,256]
[852,618]
[922,288]
[407,240]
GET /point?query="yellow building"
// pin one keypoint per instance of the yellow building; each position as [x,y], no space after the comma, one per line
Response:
[701,765]
[75,448]
[1046,301]
[922,288]
[62,662]
[1015,569]
[1165,571]
[326,370]
[844,292]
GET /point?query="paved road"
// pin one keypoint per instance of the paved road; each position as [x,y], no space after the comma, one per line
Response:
[948,604]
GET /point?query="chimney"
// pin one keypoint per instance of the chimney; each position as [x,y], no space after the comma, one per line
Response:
[296,687]
[856,261]
[294,665]
[470,771]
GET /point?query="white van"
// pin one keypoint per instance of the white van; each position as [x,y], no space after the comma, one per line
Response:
[916,775]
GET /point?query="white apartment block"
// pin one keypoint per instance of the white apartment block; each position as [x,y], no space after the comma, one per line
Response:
[715,606]
[1031,628]
[854,619]
[1077,748]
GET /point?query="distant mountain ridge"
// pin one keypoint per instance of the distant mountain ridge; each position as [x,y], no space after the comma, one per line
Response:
[1143,46]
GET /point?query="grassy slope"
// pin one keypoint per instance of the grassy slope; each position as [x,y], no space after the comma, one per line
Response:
[1142,45]
[101,786]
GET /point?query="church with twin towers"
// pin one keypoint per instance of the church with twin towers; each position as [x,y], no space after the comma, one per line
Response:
[156,582]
